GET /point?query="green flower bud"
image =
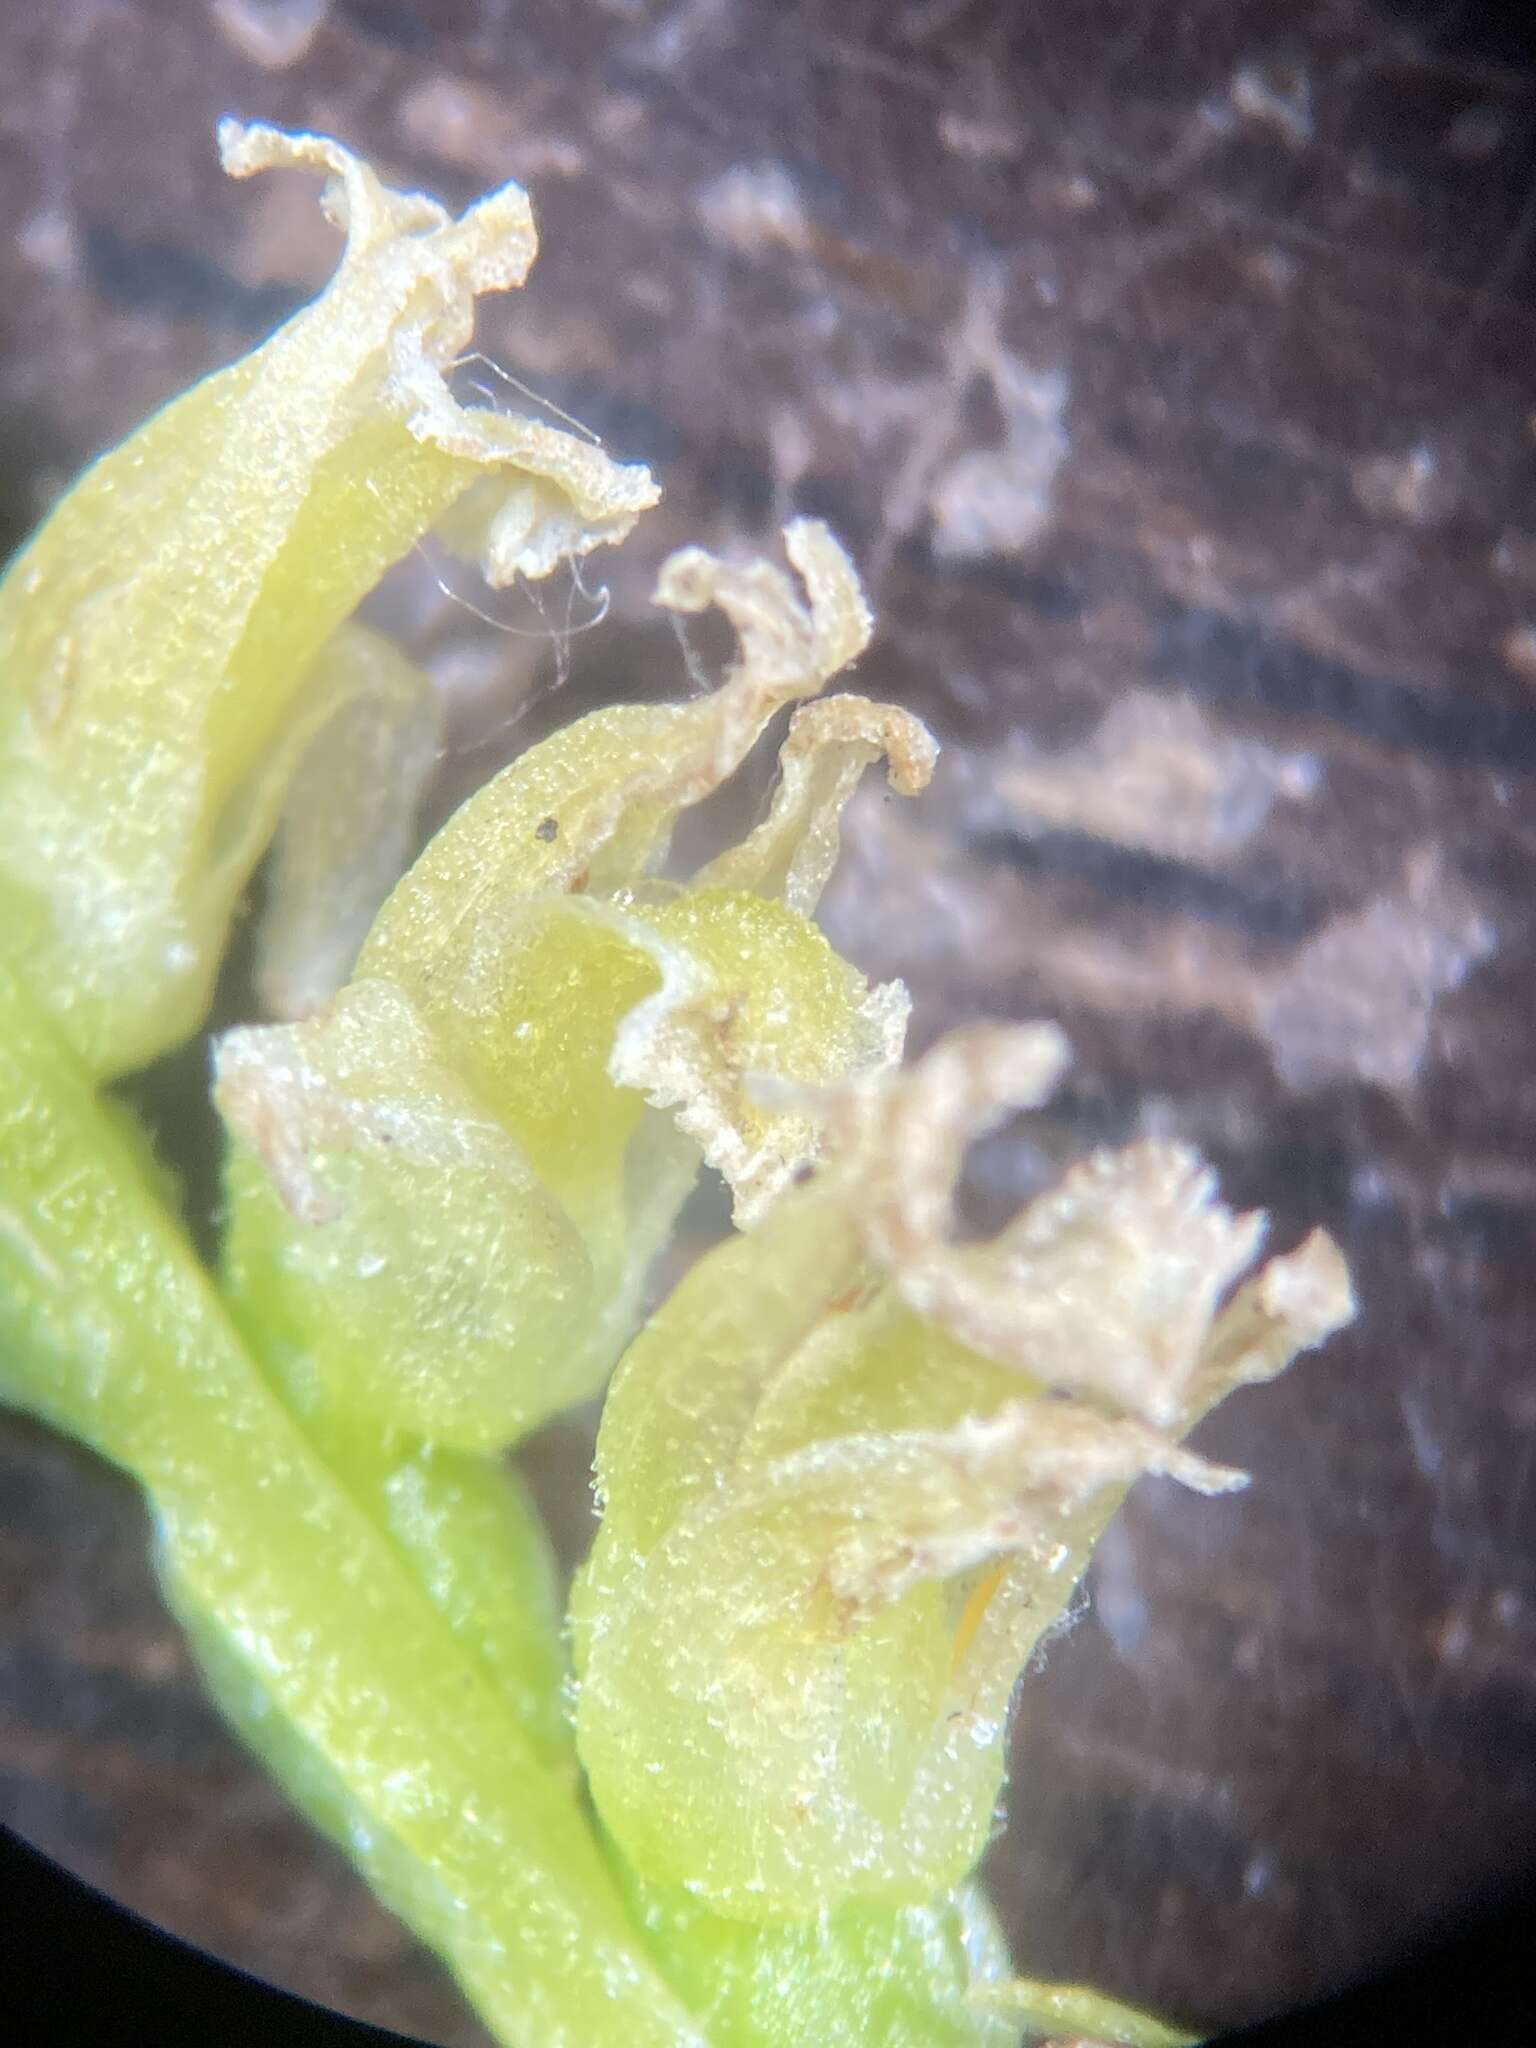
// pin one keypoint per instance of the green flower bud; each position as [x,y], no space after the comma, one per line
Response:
[159,634]
[853,1469]
[450,1185]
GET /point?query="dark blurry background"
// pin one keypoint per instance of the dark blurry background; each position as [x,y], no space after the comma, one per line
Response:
[1169,368]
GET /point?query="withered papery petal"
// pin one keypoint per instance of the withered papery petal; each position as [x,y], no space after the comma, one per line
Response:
[409,278]
[591,809]
[1105,1285]
[830,744]
[763,994]
[1294,1303]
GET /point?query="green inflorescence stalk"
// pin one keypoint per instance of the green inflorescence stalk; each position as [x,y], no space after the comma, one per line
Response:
[849,1471]
[398,1730]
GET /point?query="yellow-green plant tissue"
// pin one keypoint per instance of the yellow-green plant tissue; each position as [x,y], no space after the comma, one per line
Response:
[849,1472]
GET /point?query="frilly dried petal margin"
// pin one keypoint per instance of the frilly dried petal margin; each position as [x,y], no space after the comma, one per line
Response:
[683,1051]
[792,852]
[666,1048]
[159,633]
[1106,1285]
[593,810]
[410,275]
[1107,1288]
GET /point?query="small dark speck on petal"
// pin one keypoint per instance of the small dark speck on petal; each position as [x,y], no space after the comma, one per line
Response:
[547,829]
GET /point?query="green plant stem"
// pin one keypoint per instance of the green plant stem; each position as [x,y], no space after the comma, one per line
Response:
[305,1610]
[377,1621]
[866,1978]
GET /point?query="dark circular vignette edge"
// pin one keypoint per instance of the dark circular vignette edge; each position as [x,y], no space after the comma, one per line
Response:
[81,1967]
